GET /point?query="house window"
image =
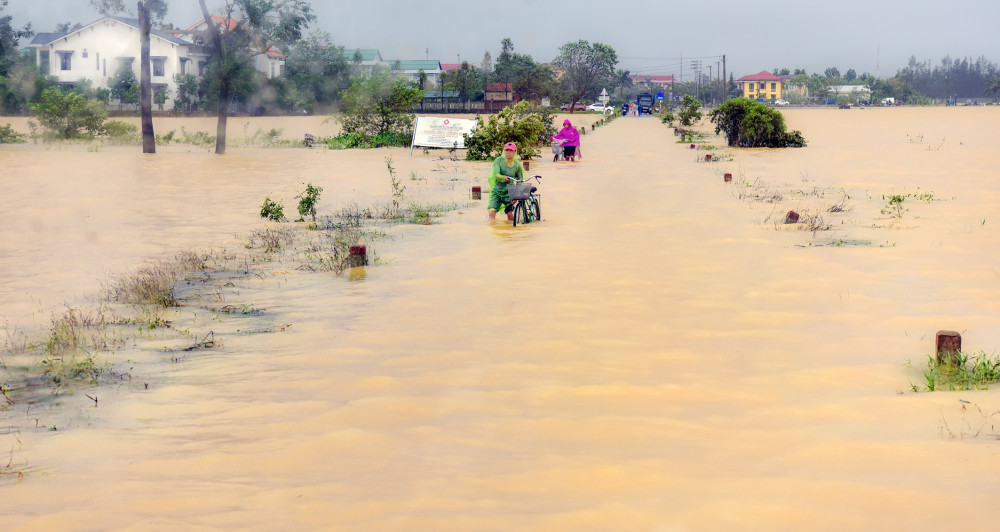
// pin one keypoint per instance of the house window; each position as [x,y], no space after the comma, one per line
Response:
[65,62]
[751,87]
[158,63]
[774,86]
[85,53]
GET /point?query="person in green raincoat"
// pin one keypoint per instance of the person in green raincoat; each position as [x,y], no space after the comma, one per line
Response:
[504,167]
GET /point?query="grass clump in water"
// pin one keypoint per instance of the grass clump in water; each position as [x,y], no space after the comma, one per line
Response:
[960,371]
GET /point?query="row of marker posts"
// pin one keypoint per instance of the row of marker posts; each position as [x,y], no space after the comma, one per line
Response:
[947,343]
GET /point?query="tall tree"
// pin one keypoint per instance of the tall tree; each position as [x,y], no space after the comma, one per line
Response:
[584,65]
[318,70]
[9,39]
[465,80]
[529,80]
[146,11]
[378,102]
[623,79]
[258,27]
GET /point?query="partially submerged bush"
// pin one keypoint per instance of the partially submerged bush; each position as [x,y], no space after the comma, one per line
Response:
[689,112]
[512,124]
[749,124]
[9,136]
[66,114]
[363,140]
[272,210]
[152,284]
[307,201]
[121,132]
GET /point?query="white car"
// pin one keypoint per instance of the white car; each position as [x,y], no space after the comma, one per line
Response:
[599,108]
[779,101]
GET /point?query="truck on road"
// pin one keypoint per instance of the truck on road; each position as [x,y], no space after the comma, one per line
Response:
[644,101]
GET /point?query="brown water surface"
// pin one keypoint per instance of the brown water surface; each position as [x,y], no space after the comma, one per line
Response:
[660,353]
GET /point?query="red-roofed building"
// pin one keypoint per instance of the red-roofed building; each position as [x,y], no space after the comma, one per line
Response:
[498,96]
[666,82]
[761,86]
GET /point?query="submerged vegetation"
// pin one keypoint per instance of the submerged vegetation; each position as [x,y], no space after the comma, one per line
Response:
[750,124]
[960,371]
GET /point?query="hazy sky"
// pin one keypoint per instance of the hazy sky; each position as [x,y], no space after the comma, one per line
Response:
[872,36]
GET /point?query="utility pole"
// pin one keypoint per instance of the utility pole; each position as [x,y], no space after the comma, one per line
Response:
[711,92]
[725,81]
[718,71]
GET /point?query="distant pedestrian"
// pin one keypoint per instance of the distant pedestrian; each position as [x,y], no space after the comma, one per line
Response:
[570,138]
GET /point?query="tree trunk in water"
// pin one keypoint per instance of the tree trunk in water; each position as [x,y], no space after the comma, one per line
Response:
[220,130]
[145,88]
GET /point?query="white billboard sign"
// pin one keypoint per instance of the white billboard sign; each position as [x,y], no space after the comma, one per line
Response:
[441,132]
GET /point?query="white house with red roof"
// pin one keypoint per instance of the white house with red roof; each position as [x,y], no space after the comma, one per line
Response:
[761,86]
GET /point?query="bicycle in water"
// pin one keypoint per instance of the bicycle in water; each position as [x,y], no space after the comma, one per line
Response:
[525,199]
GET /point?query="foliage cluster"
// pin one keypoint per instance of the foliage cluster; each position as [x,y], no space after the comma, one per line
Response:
[66,114]
[362,140]
[512,124]
[9,136]
[378,103]
[307,201]
[272,210]
[689,112]
[749,124]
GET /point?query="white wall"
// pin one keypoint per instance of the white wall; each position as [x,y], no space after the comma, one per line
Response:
[104,43]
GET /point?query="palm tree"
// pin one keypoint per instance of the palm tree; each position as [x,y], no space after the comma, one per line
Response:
[623,79]
[993,85]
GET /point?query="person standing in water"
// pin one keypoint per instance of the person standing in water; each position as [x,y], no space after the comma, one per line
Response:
[504,167]
[571,139]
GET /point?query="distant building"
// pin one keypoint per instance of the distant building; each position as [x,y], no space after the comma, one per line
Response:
[269,62]
[860,92]
[98,50]
[761,86]
[366,58]
[410,71]
[663,82]
[498,96]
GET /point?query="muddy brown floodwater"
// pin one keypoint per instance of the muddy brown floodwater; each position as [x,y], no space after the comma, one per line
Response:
[660,353]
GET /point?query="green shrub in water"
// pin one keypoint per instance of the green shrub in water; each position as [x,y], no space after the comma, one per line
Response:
[272,210]
[307,202]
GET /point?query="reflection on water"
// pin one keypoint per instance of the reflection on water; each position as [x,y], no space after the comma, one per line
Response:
[655,351]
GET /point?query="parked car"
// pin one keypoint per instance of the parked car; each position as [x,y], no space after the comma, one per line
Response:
[779,101]
[600,108]
[577,107]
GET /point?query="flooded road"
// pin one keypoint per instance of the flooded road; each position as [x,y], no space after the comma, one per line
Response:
[659,353]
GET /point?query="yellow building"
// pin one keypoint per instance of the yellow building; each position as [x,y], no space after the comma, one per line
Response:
[761,86]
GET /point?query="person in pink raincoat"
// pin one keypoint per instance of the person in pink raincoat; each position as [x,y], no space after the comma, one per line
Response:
[571,140]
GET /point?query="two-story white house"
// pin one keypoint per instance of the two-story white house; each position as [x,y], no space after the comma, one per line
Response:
[97,50]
